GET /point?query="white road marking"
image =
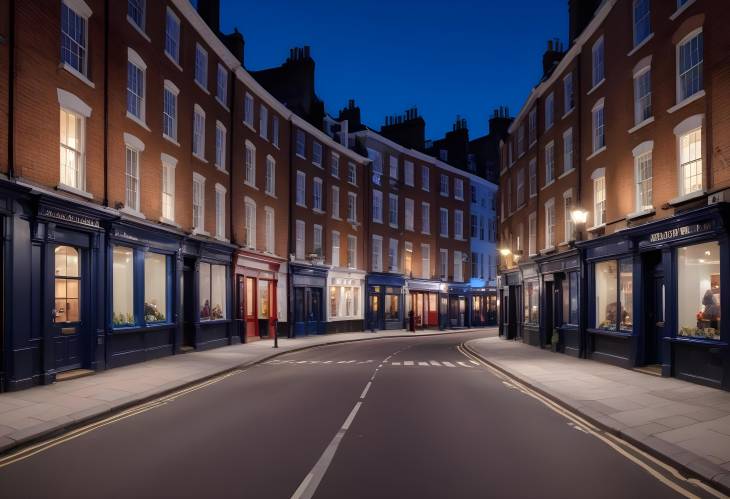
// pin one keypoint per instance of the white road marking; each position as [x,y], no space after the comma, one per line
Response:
[448,364]
[310,483]
[342,362]
[395,363]
[408,363]
[327,362]
[462,364]
[435,363]
[302,362]
[365,391]
[474,362]
[423,363]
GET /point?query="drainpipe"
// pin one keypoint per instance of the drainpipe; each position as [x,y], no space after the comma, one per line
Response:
[106,103]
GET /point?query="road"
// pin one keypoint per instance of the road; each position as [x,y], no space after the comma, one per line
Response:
[330,423]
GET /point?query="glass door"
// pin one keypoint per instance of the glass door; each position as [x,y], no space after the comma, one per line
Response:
[67,312]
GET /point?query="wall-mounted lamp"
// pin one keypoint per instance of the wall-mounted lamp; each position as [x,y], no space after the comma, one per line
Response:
[505,251]
[579,216]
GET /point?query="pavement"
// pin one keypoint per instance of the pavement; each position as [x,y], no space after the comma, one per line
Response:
[407,417]
[43,411]
[684,423]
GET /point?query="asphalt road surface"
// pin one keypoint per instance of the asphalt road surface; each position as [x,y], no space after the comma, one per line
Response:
[391,418]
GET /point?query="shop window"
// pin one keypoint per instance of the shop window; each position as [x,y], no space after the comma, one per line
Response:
[348,302]
[573,297]
[212,291]
[123,286]
[614,295]
[264,302]
[155,287]
[699,291]
[392,304]
[532,302]
[67,285]
[334,292]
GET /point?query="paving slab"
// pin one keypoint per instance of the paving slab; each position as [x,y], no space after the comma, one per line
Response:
[36,413]
[685,423]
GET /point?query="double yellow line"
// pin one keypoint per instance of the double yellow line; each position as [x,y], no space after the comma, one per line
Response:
[624,448]
[34,449]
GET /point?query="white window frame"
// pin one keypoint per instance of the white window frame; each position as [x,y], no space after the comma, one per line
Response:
[700,66]
[549,111]
[408,211]
[351,251]
[550,224]
[393,210]
[76,108]
[568,93]
[641,154]
[425,218]
[377,253]
[393,255]
[425,261]
[532,126]
[569,226]
[133,148]
[220,212]
[169,88]
[599,197]
[275,130]
[444,185]
[270,229]
[352,207]
[201,67]
[221,86]
[317,153]
[317,194]
[459,225]
[690,127]
[318,240]
[249,230]
[172,40]
[199,143]
[568,163]
[598,131]
[646,17]
[532,234]
[425,178]
[642,71]
[377,206]
[134,60]
[598,70]
[169,165]
[248,110]
[549,163]
[335,164]
[444,264]
[301,143]
[300,235]
[335,202]
[408,173]
[270,184]
[249,164]
[199,221]
[81,10]
[459,189]
[444,222]
[336,248]
[301,189]
[220,145]
[352,173]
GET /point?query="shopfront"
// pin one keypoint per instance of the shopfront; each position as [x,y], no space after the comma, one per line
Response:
[654,297]
[459,311]
[530,312]
[385,305]
[307,298]
[560,321]
[510,298]
[482,303]
[423,299]
[345,301]
[256,291]
[206,292]
[145,301]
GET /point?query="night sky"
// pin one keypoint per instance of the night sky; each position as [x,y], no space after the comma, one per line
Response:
[452,57]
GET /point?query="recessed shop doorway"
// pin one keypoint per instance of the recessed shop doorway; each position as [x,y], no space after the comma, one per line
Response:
[189,306]
[68,319]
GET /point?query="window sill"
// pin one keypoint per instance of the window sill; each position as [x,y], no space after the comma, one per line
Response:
[596,86]
[200,232]
[318,211]
[77,74]
[276,146]
[596,153]
[565,174]
[547,250]
[201,87]
[249,126]
[252,186]
[642,124]
[74,190]
[687,197]
[547,185]
[300,205]
[610,332]
[567,113]
[132,212]
[459,199]
[138,121]
[167,221]
[173,61]
[221,169]
[596,227]
[264,137]
[336,218]
[171,140]
[426,233]
[223,104]
[271,195]
[444,195]
[641,213]
[641,44]
[297,154]
[138,29]
[564,244]
[318,165]
[680,10]
[687,101]
[222,239]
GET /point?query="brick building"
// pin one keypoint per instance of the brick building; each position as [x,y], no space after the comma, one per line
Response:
[613,208]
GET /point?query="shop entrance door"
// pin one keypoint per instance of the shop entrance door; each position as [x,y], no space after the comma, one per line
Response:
[251,321]
[67,318]
[189,305]
[374,312]
[654,325]
[314,310]
[549,315]
[418,309]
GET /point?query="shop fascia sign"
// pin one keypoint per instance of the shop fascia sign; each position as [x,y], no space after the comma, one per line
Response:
[678,232]
[69,217]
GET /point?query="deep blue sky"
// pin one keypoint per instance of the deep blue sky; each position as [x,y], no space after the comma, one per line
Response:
[452,57]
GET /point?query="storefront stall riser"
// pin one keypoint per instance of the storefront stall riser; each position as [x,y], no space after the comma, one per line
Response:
[674,270]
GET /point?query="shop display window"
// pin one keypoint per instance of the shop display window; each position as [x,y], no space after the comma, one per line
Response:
[392,304]
[264,300]
[626,294]
[212,291]
[155,287]
[123,286]
[532,302]
[698,299]
[614,295]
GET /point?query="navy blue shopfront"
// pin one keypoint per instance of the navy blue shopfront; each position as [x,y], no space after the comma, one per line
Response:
[458,313]
[385,301]
[510,308]
[53,256]
[306,298]
[560,305]
[654,296]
